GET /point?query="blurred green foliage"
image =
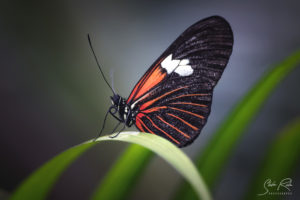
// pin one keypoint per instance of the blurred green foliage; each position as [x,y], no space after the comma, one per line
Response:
[124,173]
[279,164]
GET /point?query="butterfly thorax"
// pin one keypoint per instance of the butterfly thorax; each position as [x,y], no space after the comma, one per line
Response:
[125,113]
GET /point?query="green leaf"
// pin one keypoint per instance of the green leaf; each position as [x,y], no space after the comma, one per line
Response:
[214,157]
[111,184]
[38,185]
[280,162]
[124,174]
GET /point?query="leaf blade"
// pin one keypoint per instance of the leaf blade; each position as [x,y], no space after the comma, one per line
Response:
[38,185]
[172,154]
[124,169]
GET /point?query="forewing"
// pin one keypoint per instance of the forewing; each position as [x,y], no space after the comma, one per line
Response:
[174,96]
[207,46]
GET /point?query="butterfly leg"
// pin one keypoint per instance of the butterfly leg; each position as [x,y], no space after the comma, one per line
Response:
[126,121]
[116,127]
[103,125]
[116,135]
[112,110]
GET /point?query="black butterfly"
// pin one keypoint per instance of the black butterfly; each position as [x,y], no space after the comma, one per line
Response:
[173,98]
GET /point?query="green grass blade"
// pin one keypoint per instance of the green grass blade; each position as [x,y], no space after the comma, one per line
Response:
[214,157]
[38,185]
[121,178]
[110,186]
[280,162]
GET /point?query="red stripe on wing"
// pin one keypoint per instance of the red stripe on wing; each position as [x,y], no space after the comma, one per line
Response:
[184,134]
[154,109]
[189,95]
[148,81]
[183,121]
[165,107]
[188,112]
[169,136]
[148,103]
[138,85]
[189,103]
[139,125]
[141,122]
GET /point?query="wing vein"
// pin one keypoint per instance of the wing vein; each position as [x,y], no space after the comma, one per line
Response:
[169,136]
[178,130]
[145,126]
[148,103]
[188,112]
[189,95]
[189,103]
[183,121]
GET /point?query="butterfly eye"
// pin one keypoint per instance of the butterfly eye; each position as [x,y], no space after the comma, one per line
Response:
[113,110]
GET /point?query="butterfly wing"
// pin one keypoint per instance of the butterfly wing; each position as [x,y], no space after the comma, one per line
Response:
[174,96]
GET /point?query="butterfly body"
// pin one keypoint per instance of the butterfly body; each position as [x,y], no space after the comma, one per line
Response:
[122,111]
[173,98]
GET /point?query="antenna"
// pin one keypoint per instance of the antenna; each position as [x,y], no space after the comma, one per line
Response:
[112,79]
[90,43]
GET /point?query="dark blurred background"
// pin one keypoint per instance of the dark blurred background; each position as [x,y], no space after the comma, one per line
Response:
[53,97]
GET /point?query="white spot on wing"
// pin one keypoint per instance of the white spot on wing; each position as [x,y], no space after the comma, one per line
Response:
[184,62]
[169,64]
[184,70]
[181,67]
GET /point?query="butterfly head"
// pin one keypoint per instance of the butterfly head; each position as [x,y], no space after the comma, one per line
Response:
[116,100]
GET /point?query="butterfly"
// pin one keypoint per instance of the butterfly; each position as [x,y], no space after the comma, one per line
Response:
[173,98]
